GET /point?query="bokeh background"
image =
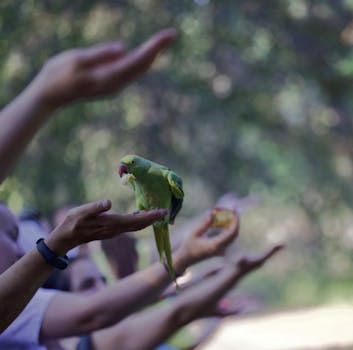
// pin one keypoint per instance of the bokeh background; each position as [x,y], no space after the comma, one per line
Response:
[255,97]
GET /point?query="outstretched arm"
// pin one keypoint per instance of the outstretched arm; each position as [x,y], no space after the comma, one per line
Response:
[150,328]
[70,76]
[83,224]
[73,75]
[83,314]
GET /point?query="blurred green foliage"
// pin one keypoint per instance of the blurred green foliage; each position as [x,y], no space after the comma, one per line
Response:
[254,97]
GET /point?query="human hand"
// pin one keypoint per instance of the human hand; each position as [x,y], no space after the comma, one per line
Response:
[198,245]
[96,71]
[91,222]
[201,300]
[226,307]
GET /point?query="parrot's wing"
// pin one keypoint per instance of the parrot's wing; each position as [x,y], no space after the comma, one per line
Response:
[175,207]
[176,188]
[175,184]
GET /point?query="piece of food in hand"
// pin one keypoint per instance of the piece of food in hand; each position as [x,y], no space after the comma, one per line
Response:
[222,218]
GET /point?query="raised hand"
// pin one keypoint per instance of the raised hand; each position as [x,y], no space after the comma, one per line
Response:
[201,300]
[95,71]
[91,222]
[198,246]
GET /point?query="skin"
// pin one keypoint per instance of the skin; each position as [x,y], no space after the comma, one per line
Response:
[155,186]
[68,315]
[59,216]
[21,277]
[137,331]
[81,73]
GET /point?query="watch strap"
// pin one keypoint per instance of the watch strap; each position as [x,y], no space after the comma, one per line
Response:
[60,262]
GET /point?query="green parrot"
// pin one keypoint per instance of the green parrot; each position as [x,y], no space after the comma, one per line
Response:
[155,186]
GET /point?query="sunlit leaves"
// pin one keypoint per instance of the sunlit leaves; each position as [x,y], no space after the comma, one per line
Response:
[254,97]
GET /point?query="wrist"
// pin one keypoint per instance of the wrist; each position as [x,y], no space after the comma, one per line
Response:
[58,245]
[38,94]
[183,311]
[53,259]
[181,261]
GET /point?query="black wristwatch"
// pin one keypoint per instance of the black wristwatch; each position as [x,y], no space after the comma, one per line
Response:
[60,262]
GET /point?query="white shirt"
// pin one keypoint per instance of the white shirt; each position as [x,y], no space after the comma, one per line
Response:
[23,332]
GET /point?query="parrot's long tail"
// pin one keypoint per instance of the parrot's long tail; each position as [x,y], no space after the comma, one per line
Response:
[161,234]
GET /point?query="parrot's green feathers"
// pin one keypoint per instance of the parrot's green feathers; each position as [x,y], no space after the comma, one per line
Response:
[176,184]
[176,187]
[155,186]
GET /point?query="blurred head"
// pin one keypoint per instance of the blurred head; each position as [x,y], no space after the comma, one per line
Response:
[121,254]
[10,251]
[81,276]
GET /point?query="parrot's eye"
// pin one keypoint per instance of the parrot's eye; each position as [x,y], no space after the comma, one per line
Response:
[133,162]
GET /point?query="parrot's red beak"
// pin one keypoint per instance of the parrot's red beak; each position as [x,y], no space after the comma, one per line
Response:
[123,169]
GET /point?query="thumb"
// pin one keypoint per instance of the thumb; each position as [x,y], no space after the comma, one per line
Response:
[245,265]
[204,225]
[94,208]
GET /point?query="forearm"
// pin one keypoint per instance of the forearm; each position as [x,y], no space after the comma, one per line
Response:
[132,293]
[142,331]
[149,328]
[195,302]
[19,121]
[19,283]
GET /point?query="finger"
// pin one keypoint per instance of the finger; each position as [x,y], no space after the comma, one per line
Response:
[142,57]
[101,53]
[272,252]
[121,222]
[246,265]
[221,309]
[135,222]
[228,235]
[232,311]
[213,270]
[261,260]
[137,61]
[93,208]
[204,225]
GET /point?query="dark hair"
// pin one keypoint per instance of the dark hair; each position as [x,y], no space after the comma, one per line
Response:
[29,213]
[121,254]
